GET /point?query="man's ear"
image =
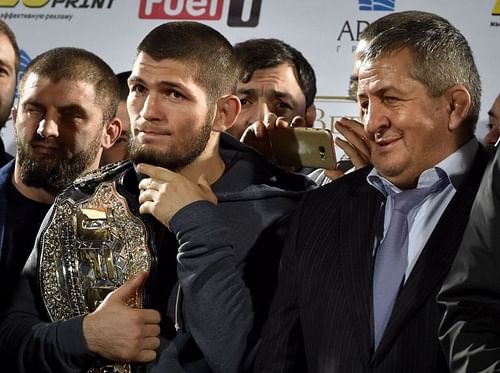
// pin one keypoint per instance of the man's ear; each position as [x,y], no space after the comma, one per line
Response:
[228,109]
[111,132]
[459,101]
[310,115]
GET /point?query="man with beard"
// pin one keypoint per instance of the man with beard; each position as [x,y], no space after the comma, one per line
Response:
[64,119]
[9,66]
[217,211]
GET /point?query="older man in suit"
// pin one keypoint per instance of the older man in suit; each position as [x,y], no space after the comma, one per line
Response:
[367,254]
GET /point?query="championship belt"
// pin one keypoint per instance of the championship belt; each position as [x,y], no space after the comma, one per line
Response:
[91,245]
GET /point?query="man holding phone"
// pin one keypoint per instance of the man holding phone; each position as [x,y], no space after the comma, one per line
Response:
[276,87]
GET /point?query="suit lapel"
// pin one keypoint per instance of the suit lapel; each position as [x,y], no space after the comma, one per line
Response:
[436,258]
[356,243]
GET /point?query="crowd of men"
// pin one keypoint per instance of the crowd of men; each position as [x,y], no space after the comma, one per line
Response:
[188,250]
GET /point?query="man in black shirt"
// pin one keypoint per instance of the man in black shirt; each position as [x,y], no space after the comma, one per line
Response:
[64,119]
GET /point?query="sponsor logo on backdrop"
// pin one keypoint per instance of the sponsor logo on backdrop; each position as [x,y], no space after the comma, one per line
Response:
[241,13]
[348,34]
[32,9]
[495,12]
[496,9]
[387,5]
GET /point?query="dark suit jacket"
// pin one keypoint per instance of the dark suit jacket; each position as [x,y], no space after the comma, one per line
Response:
[470,332]
[5,177]
[322,312]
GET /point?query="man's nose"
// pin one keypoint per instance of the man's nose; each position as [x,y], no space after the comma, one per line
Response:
[150,109]
[262,111]
[375,118]
[47,127]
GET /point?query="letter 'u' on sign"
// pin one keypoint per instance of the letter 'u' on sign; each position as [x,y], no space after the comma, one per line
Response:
[181,9]
[27,3]
[238,13]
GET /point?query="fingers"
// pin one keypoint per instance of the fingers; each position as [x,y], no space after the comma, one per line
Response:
[152,317]
[151,343]
[353,131]
[270,121]
[298,121]
[356,145]
[256,130]
[358,159]
[152,330]
[120,333]
[334,174]
[257,137]
[281,122]
[129,288]
[155,172]
[147,350]
[145,356]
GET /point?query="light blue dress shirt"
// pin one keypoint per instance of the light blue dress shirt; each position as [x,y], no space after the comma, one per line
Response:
[424,217]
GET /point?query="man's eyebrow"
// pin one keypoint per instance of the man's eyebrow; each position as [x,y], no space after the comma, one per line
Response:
[6,65]
[161,84]
[32,103]
[72,109]
[492,114]
[381,90]
[246,91]
[281,94]
[134,79]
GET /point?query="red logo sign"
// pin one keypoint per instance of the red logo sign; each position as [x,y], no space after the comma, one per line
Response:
[181,9]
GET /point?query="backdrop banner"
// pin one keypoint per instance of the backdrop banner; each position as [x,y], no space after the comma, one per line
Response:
[325,31]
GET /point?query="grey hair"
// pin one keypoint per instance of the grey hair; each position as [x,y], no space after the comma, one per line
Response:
[442,56]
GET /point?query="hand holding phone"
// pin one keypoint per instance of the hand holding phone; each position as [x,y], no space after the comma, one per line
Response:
[303,147]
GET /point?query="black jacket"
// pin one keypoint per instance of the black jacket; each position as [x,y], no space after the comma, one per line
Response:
[234,247]
[470,331]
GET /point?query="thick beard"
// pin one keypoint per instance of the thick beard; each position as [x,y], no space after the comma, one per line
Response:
[50,174]
[170,160]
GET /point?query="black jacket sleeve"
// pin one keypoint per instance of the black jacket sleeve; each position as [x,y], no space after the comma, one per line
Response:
[470,330]
[29,342]
[224,302]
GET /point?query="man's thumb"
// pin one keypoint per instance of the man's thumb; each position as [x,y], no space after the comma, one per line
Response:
[129,288]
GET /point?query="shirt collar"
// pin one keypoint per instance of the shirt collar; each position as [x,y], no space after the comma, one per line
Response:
[455,167]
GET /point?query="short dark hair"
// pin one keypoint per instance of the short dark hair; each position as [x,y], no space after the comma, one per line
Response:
[442,56]
[197,45]
[79,65]
[123,84]
[6,30]
[256,54]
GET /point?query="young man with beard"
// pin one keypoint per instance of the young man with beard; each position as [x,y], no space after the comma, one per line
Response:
[67,101]
[9,66]
[217,212]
